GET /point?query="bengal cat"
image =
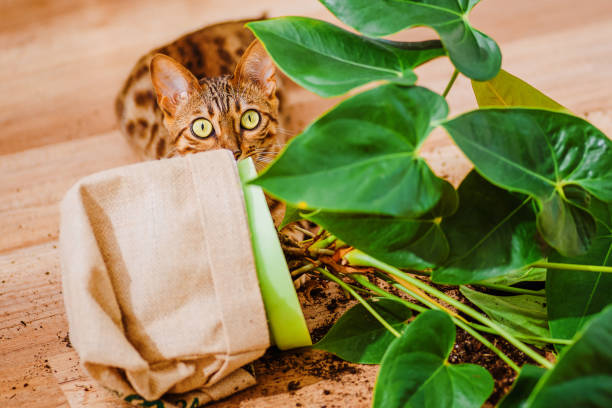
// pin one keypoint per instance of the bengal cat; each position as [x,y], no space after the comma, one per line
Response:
[215,88]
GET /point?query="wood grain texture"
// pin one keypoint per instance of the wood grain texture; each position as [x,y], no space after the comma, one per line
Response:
[63,61]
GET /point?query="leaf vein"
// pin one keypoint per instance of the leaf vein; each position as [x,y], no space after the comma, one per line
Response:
[509,162]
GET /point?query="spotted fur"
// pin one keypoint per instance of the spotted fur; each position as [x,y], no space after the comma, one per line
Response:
[214,56]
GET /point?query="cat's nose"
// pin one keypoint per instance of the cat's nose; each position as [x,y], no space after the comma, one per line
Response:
[237,153]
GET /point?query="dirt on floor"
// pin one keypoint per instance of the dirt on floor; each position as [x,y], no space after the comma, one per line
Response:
[323,302]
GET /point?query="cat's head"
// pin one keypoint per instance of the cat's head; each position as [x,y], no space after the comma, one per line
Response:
[236,112]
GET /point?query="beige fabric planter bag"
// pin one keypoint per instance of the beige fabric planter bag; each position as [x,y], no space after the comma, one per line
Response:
[159,279]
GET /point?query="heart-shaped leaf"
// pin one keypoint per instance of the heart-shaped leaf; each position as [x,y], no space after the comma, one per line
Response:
[491,234]
[574,297]
[399,241]
[362,156]
[582,376]
[506,90]
[360,338]
[415,373]
[551,156]
[330,61]
[473,53]
[522,387]
[521,314]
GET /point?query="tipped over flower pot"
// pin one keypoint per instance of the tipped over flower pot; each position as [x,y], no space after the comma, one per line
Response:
[174,278]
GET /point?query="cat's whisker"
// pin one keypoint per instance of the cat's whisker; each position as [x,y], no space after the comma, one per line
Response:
[259,166]
[264,151]
[290,134]
[266,158]
[261,149]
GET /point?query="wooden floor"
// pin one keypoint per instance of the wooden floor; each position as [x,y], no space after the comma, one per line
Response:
[61,63]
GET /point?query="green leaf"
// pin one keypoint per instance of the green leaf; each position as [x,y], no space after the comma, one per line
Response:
[521,275]
[522,387]
[491,234]
[359,338]
[415,372]
[507,90]
[558,159]
[582,376]
[362,156]
[402,242]
[399,241]
[522,314]
[330,61]
[566,226]
[574,297]
[292,214]
[473,53]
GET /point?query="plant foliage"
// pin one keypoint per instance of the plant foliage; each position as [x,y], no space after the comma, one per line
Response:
[414,371]
[474,53]
[535,210]
[357,337]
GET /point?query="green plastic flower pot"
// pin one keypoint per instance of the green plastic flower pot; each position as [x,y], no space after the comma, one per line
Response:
[284,313]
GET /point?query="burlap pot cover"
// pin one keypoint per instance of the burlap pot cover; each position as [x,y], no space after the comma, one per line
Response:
[159,280]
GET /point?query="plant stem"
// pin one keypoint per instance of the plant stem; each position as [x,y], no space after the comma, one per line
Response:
[302,269]
[367,284]
[304,231]
[359,258]
[363,281]
[450,83]
[321,244]
[573,267]
[548,340]
[361,300]
[302,252]
[465,326]
[422,297]
[510,289]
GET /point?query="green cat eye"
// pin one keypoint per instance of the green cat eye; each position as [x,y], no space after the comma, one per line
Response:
[201,128]
[249,119]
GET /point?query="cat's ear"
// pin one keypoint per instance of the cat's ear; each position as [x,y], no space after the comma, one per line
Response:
[173,83]
[257,66]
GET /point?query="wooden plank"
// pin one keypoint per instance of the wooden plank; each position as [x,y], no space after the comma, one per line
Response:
[61,65]
[72,59]
[79,389]
[32,326]
[34,181]
[63,61]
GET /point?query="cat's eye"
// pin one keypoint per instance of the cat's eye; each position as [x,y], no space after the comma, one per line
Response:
[249,119]
[201,128]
